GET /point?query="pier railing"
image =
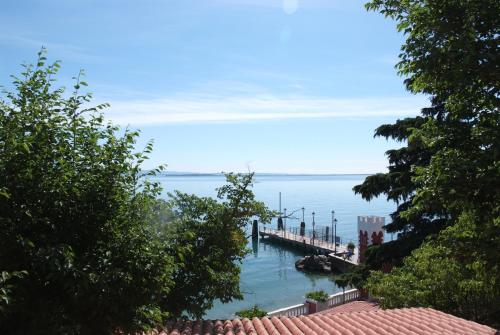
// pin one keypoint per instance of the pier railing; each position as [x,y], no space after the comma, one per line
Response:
[332,301]
[319,234]
[307,239]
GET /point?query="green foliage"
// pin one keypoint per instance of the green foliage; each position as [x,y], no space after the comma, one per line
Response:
[254,312]
[72,215]
[87,246]
[7,283]
[355,277]
[320,296]
[447,274]
[446,178]
[398,185]
[450,53]
[208,241]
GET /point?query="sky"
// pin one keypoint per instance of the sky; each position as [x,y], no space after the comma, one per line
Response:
[276,86]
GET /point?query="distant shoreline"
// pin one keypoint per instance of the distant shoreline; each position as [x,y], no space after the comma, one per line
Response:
[207,174]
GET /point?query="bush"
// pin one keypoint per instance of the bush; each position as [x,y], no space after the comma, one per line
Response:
[74,215]
[253,312]
[320,296]
[87,247]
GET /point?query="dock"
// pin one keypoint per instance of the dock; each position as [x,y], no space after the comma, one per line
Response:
[310,244]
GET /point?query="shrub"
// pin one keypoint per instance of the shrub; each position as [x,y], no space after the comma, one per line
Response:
[86,244]
[253,312]
[320,296]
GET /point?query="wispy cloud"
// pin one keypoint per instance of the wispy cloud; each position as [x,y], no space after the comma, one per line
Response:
[62,50]
[289,6]
[206,109]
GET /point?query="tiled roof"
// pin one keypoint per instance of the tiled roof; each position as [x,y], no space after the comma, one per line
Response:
[411,321]
[355,306]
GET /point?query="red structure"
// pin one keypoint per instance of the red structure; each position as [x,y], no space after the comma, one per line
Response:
[370,232]
[377,238]
[363,244]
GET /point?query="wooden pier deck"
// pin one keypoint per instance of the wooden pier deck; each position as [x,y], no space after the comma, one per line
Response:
[310,244]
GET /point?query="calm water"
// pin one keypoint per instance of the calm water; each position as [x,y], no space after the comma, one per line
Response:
[268,277]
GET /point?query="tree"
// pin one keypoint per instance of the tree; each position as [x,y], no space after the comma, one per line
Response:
[71,215]
[81,251]
[398,186]
[6,285]
[450,54]
[447,273]
[354,277]
[207,239]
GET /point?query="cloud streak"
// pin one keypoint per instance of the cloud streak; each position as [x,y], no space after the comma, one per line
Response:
[289,6]
[209,109]
[63,50]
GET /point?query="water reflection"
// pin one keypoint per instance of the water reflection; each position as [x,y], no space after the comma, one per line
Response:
[255,247]
[268,274]
[269,279]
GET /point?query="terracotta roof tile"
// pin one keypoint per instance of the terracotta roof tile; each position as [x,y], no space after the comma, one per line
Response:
[291,326]
[302,326]
[355,306]
[259,326]
[355,318]
[248,326]
[313,325]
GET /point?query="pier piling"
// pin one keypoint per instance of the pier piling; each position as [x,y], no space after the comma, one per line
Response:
[255,229]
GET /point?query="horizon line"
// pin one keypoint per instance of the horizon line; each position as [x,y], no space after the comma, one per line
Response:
[188,173]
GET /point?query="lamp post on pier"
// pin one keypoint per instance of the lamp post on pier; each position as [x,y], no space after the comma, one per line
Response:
[335,241]
[302,231]
[333,217]
[284,228]
[314,232]
[280,219]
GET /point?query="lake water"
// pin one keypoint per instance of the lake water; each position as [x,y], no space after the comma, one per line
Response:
[269,278]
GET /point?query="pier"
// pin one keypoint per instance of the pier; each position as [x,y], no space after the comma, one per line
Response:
[311,244]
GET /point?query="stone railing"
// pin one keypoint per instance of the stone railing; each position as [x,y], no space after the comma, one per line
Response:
[332,301]
[296,310]
[341,298]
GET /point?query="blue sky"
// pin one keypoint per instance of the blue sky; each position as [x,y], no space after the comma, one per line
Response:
[228,85]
